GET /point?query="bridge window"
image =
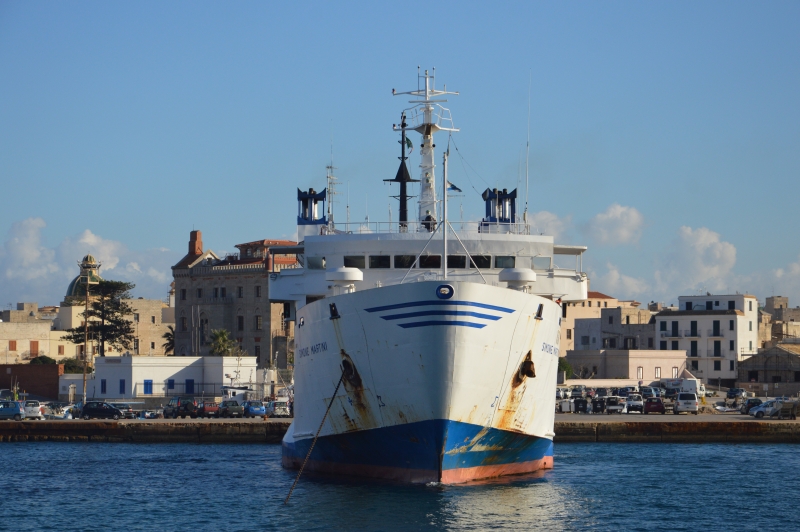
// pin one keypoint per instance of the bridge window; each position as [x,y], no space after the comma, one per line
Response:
[379,261]
[456,261]
[355,261]
[404,261]
[315,263]
[481,261]
[503,262]
[430,261]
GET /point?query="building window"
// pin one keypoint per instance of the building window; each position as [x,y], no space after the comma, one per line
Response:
[663,326]
[239,323]
[136,345]
[61,350]
[122,386]
[183,294]
[649,343]
[658,372]
[183,324]
[152,319]
[732,363]
[136,317]
[170,384]
[717,365]
[605,304]
[259,323]
[731,305]
[751,345]
[751,325]
[730,325]
[148,387]
[694,365]
[674,345]
[593,339]
[240,292]
[731,346]
[611,320]
[103,386]
[199,293]
[663,345]
[674,372]
[216,292]
[152,345]
[258,291]
[583,303]
[584,340]
[223,292]
[612,343]
[569,334]
[709,306]
[189,385]
[716,303]
[640,372]
[750,305]
[627,320]
[590,303]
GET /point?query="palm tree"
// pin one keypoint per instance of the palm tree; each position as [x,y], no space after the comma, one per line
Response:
[169,340]
[221,342]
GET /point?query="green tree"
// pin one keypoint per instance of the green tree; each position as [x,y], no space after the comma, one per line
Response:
[222,344]
[107,314]
[565,366]
[72,365]
[42,359]
[169,340]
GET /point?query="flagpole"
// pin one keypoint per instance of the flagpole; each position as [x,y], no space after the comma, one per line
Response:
[444,214]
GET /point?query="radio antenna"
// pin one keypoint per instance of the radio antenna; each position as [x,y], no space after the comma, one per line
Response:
[527,149]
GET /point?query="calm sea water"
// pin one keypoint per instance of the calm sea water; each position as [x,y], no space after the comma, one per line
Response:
[65,486]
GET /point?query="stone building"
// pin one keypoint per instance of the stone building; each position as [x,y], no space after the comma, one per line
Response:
[230,292]
[646,365]
[595,302]
[616,328]
[773,371]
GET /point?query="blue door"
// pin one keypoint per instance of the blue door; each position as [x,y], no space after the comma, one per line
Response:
[148,387]
[189,385]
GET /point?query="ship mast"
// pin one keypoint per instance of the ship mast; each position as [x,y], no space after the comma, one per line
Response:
[427,117]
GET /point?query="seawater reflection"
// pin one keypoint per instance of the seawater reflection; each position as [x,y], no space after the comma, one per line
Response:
[66,486]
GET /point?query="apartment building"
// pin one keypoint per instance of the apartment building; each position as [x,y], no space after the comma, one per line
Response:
[595,302]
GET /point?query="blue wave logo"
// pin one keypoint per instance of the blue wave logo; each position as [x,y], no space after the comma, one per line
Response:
[466,314]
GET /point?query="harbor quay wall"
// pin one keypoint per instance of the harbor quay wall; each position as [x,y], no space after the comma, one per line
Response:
[273,431]
[143,432]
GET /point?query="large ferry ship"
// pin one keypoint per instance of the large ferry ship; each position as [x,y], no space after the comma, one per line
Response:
[434,345]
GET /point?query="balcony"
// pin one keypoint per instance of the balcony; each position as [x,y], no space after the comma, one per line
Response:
[715,334]
[714,354]
[670,334]
[692,334]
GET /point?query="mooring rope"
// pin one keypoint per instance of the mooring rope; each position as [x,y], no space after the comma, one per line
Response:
[341,378]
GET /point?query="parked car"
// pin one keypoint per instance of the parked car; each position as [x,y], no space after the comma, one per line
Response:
[208,409]
[578,392]
[602,392]
[614,405]
[671,394]
[230,408]
[766,409]
[734,393]
[686,402]
[34,410]
[750,404]
[654,405]
[125,408]
[279,408]
[253,409]
[12,410]
[634,403]
[646,392]
[181,405]
[99,410]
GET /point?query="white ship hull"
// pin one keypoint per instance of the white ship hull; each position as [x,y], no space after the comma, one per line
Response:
[438,391]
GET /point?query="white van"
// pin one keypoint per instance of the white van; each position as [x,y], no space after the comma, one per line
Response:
[686,402]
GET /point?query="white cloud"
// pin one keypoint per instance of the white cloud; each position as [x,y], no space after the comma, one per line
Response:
[544,222]
[698,259]
[618,225]
[618,284]
[25,257]
[41,273]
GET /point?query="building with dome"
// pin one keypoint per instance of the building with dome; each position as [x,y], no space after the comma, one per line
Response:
[90,269]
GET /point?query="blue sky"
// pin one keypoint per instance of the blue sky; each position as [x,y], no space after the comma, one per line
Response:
[664,135]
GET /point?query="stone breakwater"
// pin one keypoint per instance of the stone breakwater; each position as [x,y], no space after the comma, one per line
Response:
[273,431]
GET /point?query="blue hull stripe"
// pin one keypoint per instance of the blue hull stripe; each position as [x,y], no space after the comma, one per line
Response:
[454,323]
[418,446]
[441,313]
[439,303]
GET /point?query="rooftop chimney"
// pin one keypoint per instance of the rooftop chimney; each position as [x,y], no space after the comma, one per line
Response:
[195,243]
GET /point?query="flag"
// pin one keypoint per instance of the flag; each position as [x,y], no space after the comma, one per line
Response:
[409,145]
[452,187]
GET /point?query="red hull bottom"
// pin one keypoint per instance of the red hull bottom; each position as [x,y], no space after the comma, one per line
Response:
[448,476]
